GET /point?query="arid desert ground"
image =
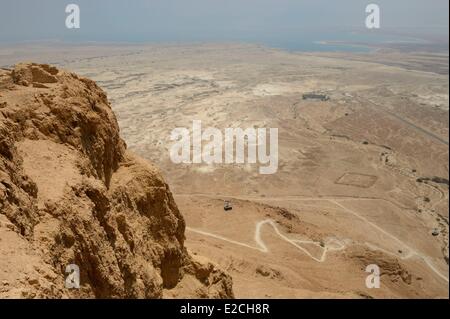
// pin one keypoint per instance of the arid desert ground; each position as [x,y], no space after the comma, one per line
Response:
[362,177]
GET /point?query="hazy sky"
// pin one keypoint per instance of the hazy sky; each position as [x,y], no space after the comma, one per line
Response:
[208,20]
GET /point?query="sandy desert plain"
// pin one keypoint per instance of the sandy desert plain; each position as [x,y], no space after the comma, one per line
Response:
[362,177]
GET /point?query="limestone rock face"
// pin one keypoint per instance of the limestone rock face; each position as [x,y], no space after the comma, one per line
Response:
[71,193]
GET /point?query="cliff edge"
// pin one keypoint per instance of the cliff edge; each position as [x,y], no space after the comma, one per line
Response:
[71,193]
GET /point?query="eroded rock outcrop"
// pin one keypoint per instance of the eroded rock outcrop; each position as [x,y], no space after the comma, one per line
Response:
[70,193]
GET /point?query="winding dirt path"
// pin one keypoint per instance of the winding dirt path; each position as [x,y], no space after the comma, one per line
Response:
[261,246]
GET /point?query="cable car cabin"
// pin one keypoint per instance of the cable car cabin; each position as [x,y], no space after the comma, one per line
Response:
[227,206]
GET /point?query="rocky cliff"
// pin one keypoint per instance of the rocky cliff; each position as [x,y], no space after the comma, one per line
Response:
[71,193]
